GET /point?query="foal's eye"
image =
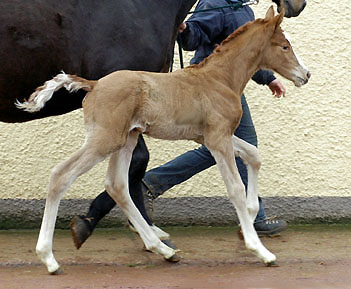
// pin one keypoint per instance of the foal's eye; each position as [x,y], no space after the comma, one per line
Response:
[285,47]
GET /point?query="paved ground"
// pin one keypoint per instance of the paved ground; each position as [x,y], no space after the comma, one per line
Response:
[309,257]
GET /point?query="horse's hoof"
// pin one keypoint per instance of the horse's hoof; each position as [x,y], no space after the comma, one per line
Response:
[174,259]
[80,231]
[169,243]
[240,234]
[272,264]
[59,271]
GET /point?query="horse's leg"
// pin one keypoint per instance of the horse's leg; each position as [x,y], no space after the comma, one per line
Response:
[117,187]
[137,169]
[62,177]
[249,154]
[224,155]
[82,227]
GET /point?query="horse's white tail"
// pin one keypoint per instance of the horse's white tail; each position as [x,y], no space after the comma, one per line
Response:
[44,93]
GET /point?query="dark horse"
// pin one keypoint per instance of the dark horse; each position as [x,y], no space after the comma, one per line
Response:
[91,39]
[88,38]
[84,37]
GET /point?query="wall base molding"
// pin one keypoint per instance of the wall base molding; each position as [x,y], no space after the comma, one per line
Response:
[26,214]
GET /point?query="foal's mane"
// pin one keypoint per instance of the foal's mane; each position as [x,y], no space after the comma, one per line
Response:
[230,37]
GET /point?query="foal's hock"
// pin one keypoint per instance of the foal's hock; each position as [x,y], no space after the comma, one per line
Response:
[200,103]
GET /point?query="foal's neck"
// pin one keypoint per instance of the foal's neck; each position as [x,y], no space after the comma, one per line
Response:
[236,60]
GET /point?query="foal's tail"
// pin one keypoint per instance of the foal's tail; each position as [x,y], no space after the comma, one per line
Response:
[44,93]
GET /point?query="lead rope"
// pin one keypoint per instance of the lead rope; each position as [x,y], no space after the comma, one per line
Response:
[235,6]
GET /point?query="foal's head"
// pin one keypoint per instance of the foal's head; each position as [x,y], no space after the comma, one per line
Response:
[279,55]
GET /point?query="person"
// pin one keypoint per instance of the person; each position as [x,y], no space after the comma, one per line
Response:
[202,32]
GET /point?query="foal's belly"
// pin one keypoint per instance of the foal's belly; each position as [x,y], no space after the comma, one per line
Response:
[170,131]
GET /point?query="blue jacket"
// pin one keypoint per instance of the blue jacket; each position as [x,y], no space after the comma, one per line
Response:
[205,30]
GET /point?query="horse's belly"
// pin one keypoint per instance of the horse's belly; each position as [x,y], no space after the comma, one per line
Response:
[170,131]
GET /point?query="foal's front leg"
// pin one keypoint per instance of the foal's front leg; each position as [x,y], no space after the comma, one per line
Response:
[224,155]
[117,186]
[249,154]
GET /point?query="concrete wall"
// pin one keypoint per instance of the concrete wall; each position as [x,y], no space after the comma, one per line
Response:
[304,141]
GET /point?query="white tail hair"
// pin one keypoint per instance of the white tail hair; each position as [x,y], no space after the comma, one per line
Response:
[44,93]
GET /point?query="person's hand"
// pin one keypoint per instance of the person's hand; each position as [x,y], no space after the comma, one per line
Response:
[182,27]
[277,88]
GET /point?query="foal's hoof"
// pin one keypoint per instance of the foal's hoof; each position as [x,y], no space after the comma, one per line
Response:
[272,264]
[174,259]
[80,231]
[59,271]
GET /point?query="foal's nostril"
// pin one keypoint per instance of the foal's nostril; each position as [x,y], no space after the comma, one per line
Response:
[308,75]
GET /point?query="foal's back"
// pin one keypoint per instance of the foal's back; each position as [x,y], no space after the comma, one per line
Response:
[177,105]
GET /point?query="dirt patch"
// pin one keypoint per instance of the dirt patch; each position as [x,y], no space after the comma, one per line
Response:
[309,257]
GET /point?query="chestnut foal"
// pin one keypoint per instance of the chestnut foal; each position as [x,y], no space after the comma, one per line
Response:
[200,103]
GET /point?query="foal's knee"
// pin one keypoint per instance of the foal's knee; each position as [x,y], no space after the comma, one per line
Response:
[252,208]
[255,158]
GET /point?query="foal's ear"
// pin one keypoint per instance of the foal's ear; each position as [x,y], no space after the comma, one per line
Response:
[269,14]
[274,21]
[280,17]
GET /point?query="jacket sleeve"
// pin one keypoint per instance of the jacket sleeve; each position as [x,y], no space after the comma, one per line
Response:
[202,27]
[263,77]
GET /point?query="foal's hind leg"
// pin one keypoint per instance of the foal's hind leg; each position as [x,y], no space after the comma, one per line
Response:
[224,155]
[117,187]
[62,177]
[82,227]
[249,154]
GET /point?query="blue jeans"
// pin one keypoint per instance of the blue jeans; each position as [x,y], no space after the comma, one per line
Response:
[183,167]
